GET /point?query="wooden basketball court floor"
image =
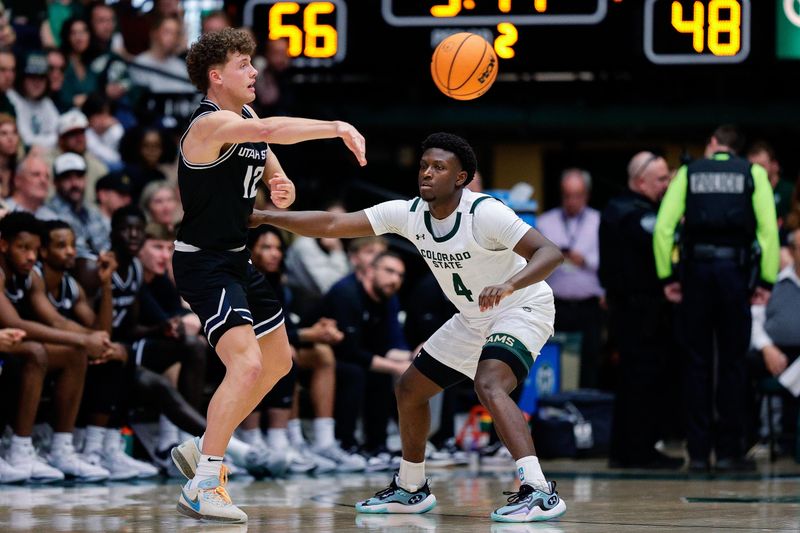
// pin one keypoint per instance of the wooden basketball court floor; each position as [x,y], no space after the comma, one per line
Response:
[598,500]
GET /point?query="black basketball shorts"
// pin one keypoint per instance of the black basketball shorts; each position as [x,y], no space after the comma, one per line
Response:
[225,290]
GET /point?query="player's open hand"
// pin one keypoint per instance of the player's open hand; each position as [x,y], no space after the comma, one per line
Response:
[491,295]
[353,140]
[281,191]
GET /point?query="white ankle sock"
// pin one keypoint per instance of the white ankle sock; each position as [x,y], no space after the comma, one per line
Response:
[295,430]
[207,467]
[411,476]
[278,438]
[530,473]
[237,450]
[167,433]
[62,440]
[324,432]
[252,437]
[18,443]
[94,439]
[112,439]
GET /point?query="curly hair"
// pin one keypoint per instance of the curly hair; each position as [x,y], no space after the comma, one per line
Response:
[213,49]
[458,146]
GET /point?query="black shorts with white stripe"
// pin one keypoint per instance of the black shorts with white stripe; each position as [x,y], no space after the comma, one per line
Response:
[225,290]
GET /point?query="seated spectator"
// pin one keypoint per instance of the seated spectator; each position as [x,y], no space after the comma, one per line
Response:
[37,115]
[52,343]
[273,94]
[573,227]
[109,62]
[372,351]
[159,69]
[315,364]
[72,127]
[58,13]
[160,203]
[313,266]
[361,253]
[10,149]
[104,132]
[214,21]
[775,338]
[107,381]
[103,29]
[31,187]
[8,35]
[8,72]
[112,191]
[56,67]
[92,231]
[79,80]
[143,154]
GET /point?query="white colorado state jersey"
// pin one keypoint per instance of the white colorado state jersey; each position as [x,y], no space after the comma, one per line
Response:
[467,251]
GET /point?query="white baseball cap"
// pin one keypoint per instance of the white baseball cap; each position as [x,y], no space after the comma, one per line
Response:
[68,162]
[72,120]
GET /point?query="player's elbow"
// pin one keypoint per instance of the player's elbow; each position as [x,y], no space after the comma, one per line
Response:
[558,255]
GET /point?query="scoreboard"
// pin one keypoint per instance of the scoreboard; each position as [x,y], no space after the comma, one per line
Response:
[529,34]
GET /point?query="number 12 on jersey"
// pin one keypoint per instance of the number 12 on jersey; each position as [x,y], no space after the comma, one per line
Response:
[251,180]
[460,288]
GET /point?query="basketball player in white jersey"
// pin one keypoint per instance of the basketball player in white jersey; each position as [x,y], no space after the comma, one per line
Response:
[492,266]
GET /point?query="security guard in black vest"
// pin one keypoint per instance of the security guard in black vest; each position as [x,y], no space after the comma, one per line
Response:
[728,211]
[639,316]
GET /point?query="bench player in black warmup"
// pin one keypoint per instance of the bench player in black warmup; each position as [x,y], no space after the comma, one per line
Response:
[223,156]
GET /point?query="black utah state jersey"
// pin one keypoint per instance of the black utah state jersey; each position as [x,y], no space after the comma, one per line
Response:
[125,292]
[18,290]
[218,197]
[67,295]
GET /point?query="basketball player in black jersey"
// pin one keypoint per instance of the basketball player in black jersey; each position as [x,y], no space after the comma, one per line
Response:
[52,343]
[108,381]
[223,156]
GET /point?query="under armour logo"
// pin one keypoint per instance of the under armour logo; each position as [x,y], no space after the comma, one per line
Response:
[420,236]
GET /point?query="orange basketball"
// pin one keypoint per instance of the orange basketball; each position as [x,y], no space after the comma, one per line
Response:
[464,66]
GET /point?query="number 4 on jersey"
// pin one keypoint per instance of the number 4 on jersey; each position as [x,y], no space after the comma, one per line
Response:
[460,288]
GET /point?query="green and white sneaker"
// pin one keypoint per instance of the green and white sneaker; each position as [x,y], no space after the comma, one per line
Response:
[394,499]
[186,455]
[210,501]
[531,505]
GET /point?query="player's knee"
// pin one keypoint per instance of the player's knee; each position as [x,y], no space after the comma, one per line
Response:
[325,356]
[405,392]
[35,355]
[488,389]
[283,362]
[249,369]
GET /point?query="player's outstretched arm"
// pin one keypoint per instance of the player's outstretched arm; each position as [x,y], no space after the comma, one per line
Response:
[226,127]
[316,223]
[543,257]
